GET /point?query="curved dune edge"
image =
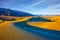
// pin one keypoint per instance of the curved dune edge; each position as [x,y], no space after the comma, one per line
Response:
[46,25]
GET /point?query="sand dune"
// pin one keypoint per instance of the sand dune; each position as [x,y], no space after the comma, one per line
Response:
[9,32]
[52,18]
[46,25]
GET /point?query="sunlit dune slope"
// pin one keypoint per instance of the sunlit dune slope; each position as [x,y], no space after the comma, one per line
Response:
[16,19]
[52,18]
[9,32]
[46,25]
[23,19]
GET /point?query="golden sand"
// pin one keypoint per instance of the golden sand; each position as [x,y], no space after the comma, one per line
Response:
[9,32]
[23,19]
[52,18]
[46,25]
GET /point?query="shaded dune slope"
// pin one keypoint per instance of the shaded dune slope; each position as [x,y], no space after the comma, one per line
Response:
[51,34]
[37,19]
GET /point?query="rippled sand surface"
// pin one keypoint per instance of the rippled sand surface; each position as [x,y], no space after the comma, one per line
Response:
[9,32]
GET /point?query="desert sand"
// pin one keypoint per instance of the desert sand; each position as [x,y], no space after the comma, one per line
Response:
[9,32]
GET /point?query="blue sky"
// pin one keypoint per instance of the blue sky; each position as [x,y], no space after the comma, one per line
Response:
[38,7]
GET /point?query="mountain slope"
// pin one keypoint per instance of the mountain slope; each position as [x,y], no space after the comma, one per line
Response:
[13,12]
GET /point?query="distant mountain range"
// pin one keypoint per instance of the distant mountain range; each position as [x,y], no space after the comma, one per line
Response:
[10,12]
